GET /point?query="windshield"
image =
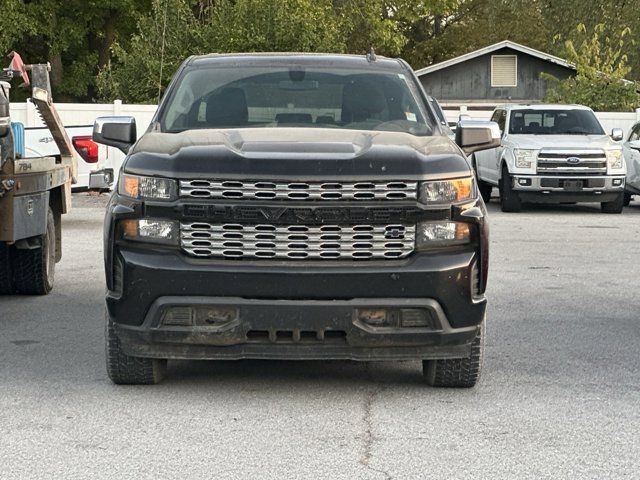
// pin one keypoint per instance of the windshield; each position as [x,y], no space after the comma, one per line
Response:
[554,122]
[250,97]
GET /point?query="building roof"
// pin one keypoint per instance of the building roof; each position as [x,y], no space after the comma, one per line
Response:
[492,48]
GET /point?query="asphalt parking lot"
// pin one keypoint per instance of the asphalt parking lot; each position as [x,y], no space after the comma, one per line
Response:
[559,397]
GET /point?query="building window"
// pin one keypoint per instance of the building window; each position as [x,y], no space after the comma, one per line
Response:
[504,70]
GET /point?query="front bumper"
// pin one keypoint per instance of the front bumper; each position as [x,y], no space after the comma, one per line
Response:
[284,310]
[585,188]
[293,329]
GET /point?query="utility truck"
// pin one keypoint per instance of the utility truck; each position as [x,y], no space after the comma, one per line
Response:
[35,191]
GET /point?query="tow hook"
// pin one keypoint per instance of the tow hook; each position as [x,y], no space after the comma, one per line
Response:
[6,186]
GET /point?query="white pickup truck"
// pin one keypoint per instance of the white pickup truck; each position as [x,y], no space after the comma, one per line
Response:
[96,163]
[552,154]
[632,158]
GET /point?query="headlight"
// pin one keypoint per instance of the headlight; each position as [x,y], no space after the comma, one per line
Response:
[443,192]
[525,158]
[153,188]
[615,159]
[150,230]
[442,234]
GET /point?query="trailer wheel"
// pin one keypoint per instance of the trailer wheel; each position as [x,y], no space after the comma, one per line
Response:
[124,369]
[457,372]
[614,206]
[34,269]
[6,284]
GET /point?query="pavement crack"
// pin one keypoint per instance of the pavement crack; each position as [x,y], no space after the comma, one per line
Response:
[369,438]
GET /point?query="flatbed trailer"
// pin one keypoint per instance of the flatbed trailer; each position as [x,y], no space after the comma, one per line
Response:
[34,192]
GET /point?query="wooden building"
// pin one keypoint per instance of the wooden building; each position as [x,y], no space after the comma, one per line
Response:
[506,72]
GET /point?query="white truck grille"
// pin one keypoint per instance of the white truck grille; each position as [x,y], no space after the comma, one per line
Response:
[266,190]
[297,242]
[572,162]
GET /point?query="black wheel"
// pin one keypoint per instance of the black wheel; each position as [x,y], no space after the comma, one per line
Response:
[6,283]
[509,199]
[124,369]
[484,188]
[627,199]
[34,269]
[457,372]
[614,206]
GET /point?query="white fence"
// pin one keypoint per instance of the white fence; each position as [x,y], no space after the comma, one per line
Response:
[76,114]
[609,120]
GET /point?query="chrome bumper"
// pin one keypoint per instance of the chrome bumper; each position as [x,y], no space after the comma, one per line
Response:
[558,183]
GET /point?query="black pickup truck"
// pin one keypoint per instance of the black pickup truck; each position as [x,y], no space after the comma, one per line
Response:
[291,206]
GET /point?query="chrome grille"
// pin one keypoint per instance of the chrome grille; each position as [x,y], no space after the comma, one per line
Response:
[572,162]
[297,242]
[265,190]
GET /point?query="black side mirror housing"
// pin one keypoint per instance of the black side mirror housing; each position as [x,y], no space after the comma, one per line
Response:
[474,135]
[119,132]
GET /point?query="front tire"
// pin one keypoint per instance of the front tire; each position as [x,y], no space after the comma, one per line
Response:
[457,372]
[614,206]
[484,188]
[627,199]
[124,369]
[34,269]
[509,199]
[6,282]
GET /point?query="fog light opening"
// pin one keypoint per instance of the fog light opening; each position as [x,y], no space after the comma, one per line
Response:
[178,317]
[415,318]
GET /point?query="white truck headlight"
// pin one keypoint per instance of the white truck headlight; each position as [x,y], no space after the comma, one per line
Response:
[152,230]
[442,234]
[443,192]
[525,158]
[151,188]
[615,159]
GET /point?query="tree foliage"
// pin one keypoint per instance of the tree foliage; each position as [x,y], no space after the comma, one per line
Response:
[106,49]
[602,67]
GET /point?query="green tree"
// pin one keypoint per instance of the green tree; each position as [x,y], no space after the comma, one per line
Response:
[441,30]
[602,69]
[197,27]
[141,68]
[75,36]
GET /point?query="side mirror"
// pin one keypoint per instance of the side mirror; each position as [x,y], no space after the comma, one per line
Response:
[119,132]
[475,135]
[617,134]
[635,145]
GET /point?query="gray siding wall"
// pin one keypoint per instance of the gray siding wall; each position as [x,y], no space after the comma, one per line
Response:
[471,80]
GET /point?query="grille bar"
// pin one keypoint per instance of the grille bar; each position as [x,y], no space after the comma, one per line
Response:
[567,162]
[266,190]
[297,241]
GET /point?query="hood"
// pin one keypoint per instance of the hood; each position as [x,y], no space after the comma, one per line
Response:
[264,153]
[577,142]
